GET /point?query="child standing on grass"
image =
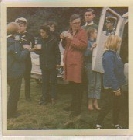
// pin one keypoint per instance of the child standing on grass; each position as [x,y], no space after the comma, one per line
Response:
[94,78]
[113,79]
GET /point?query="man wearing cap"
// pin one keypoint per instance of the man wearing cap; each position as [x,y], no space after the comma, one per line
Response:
[26,39]
[110,26]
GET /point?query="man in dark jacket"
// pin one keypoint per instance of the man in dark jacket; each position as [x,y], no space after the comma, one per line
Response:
[89,17]
[26,39]
[16,57]
[50,59]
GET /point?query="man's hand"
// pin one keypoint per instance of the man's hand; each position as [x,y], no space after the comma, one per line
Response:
[62,35]
[69,36]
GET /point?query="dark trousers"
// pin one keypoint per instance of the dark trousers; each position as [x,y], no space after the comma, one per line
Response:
[110,101]
[14,95]
[49,84]
[76,91]
[27,79]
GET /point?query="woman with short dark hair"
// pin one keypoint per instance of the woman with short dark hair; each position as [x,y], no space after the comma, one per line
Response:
[50,59]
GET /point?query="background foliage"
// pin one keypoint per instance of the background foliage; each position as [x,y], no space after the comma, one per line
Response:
[36,16]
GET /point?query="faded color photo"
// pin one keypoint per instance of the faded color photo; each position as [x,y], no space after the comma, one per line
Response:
[67,68]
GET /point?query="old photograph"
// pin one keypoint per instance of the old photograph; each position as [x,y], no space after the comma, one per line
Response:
[66,69]
[36,99]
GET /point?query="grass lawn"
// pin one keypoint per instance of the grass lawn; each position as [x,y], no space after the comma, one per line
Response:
[40,117]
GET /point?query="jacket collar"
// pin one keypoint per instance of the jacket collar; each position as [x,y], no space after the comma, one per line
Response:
[107,50]
[87,24]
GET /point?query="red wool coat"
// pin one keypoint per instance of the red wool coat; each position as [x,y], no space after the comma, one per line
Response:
[74,56]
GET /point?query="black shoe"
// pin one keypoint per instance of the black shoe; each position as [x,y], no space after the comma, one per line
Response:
[67,108]
[42,103]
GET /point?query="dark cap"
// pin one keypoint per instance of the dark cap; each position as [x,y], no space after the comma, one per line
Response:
[111,19]
[21,20]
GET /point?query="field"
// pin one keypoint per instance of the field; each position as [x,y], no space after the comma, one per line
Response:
[41,117]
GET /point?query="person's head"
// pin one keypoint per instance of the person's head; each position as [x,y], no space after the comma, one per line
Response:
[89,15]
[75,22]
[12,28]
[44,31]
[110,22]
[22,22]
[52,25]
[92,33]
[113,42]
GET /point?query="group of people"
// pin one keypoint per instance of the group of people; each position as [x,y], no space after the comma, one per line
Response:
[78,42]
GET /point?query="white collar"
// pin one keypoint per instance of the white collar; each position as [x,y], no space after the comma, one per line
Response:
[89,23]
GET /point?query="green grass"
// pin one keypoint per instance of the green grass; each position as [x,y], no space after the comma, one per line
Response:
[40,117]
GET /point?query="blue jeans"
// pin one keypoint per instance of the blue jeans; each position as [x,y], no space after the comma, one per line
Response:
[94,82]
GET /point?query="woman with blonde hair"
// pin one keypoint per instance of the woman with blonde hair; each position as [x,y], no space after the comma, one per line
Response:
[113,79]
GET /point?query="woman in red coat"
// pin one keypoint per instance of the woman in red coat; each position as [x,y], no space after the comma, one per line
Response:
[75,42]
